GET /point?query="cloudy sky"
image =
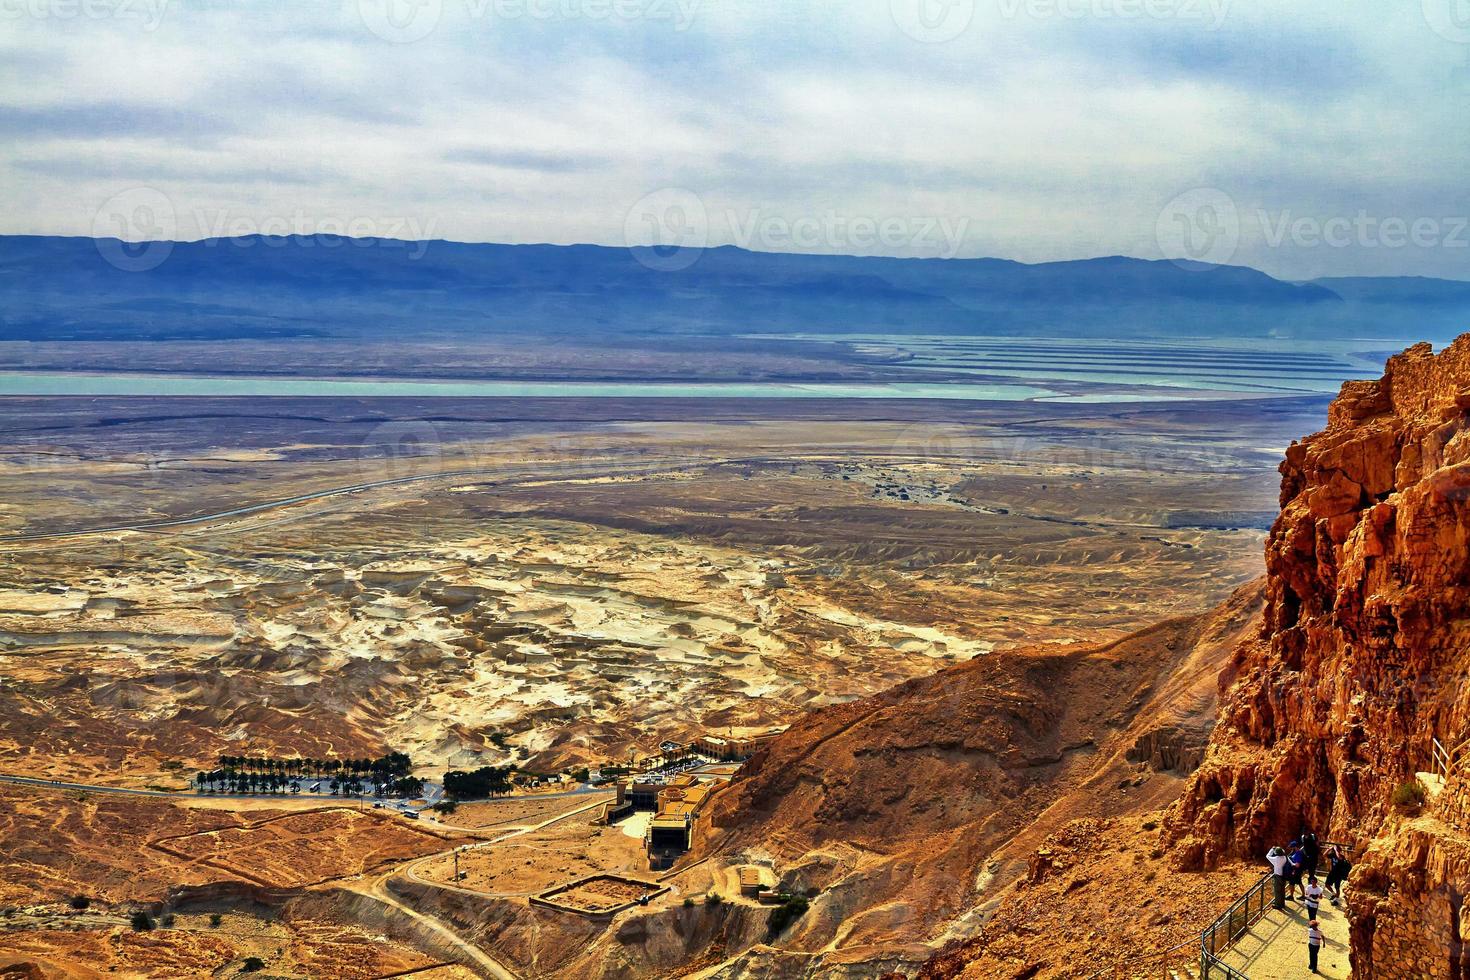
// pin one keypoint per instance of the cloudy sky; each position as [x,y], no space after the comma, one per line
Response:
[1304,137]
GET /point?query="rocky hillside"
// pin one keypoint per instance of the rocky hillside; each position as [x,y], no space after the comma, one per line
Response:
[1363,657]
[1013,805]
[899,807]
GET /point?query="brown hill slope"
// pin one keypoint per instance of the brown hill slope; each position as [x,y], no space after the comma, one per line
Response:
[1364,657]
[898,807]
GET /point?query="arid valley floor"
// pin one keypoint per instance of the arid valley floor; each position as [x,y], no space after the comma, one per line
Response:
[552,584]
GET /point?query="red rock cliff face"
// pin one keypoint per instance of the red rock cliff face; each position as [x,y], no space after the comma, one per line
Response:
[1363,657]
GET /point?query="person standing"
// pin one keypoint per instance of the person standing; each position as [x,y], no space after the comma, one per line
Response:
[1337,872]
[1294,864]
[1315,939]
[1276,857]
[1311,852]
[1314,897]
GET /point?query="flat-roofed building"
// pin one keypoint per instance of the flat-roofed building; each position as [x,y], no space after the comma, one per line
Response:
[639,794]
[672,827]
[734,746]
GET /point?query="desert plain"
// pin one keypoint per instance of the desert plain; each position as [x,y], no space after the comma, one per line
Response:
[553,584]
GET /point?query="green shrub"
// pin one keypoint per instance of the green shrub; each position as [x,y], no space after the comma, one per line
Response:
[792,907]
[215,919]
[252,964]
[713,899]
[168,921]
[689,903]
[1409,795]
[142,922]
[80,902]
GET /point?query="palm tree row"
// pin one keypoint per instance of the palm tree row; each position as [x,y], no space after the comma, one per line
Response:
[393,765]
[353,778]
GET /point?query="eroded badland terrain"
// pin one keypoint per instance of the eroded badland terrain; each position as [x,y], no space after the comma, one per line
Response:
[1000,635]
[580,591]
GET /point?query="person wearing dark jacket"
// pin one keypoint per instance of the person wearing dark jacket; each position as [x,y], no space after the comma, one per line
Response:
[1337,872]
[1311,853]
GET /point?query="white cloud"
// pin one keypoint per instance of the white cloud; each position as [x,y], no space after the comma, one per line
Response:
[1051,136]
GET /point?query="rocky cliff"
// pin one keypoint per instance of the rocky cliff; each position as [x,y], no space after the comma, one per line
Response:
[1361,660]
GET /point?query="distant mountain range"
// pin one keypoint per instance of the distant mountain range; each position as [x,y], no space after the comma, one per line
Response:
[55,288]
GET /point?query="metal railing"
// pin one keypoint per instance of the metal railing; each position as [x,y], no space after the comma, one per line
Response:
[1225,931]
[1213,969]
[1442,760]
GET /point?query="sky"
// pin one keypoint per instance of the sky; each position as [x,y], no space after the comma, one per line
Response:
[1302,137]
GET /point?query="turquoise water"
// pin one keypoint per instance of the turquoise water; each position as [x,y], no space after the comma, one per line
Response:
[1247,366]
[21,383]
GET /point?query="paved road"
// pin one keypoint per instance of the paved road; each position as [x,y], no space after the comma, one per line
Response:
[239,511]
[85,787]
[577,469]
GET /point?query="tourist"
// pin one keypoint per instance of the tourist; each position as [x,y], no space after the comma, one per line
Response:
[1314,896]
[1315,939]
[1337,872]
[1294,864]
[1276,857]
[1311,853]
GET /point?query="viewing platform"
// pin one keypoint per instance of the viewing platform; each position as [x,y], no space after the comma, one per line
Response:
[1275,947]
[1254,941]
